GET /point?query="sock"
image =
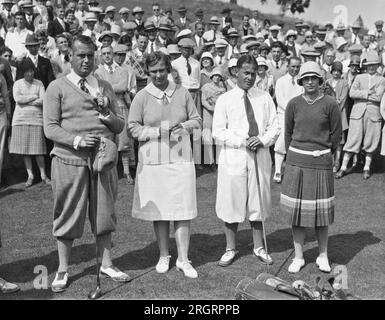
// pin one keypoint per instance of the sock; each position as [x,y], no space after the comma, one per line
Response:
[368,161]
[278,162]
[345,161]
[125,162]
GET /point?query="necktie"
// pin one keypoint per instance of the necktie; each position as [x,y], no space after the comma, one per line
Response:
[164,99]
[220,60]
[277,65]
[82,85]
[200,42]
[293,81]
[152,47]
[110,70]
[253,126]
[188,67]
[66,57]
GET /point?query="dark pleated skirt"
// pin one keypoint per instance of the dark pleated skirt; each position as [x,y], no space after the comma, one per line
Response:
[307,196]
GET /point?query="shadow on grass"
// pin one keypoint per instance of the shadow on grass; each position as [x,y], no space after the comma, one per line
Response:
[8,191]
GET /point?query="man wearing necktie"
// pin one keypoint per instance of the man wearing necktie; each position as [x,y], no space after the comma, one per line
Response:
[244,127]
[78,111]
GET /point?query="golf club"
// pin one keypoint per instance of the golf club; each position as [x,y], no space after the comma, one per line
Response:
[97,292]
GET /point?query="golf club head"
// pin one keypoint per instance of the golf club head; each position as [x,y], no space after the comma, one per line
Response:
[95,294]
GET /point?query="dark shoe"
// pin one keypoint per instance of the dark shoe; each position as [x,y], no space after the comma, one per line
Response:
[366,175]
[8,287]
[213,167]
[199,167]
[29,183]
[340,174]
[60,282]
[351,169]
[114,273]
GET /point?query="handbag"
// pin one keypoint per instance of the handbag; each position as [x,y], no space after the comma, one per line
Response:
[106,155]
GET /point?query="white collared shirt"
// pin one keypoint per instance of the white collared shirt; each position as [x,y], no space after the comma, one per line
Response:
[285,91]
[191,81]
[114,66]
[159,94]
[16,42]
[91,82]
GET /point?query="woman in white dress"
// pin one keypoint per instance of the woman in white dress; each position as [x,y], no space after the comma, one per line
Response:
[161,118]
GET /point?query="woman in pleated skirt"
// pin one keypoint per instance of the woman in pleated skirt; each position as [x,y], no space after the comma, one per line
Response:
[312,133]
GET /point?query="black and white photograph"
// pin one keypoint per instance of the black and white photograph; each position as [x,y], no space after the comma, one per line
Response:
[192,156]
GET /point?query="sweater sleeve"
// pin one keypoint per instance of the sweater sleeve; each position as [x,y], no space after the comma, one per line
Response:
[193,121]
[335,125]
[136,127]
[52,116]
[289,123]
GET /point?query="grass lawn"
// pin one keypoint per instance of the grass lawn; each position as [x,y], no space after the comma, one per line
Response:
[356,240]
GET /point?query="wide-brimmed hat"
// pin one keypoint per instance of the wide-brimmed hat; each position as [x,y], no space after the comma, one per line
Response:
[110,8]
[275,28]
[249,37]
[232,63]
[232,32]
[252,44]
[207,55]
[165,26]
[120,48]
[130,25]
[149,25]
[309,69]
[243,48]
[214,20]
[31,40]
[339,42]
[291,33]
[357,24]
[164,51]
[311,52]
[216,72]
[184,33]
[7,1]
[320,45]
[371,58]
[90,17]
[124,10]
[181,9]
[261,61]
[115,30]
[96,10]
[173,49]
[137,10]
[221,43]
[372,32]
[341,27]
[105,34]
[264,46]
[355,60]
[355,48]
[186,43]
[321,30]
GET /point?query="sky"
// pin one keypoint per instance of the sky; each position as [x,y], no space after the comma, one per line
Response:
[322,11]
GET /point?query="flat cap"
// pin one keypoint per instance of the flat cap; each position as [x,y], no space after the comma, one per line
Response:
[137,10]
[186,43]
[124,10]
[220,43]
[120,48]
[110,8]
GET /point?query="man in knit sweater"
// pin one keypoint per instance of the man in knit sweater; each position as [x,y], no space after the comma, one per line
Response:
[78,111]
[122,79]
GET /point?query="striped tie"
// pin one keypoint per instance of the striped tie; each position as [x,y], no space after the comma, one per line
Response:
[253,126]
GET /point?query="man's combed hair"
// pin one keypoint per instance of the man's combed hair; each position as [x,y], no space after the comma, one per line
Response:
[246,59]
[84,40]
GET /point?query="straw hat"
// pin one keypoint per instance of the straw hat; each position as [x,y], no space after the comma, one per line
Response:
[214,20]
[309,69]
[261,61]
[249,37]
[173,49]
[221,43]
[137,10]
[243,49]
[232,32]
[232,63]
[341,27]
[311,52]
[371,58]
[90,17]
[275,28]
[120,48]
[149,25]
[355,48]
[181,9]
[31,40]
[115,30]
[340,41]
[291,33]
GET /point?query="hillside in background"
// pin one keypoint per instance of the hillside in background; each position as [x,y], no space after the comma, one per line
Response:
[210,7]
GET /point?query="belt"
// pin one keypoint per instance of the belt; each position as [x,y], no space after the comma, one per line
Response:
[193,90]
[315,153]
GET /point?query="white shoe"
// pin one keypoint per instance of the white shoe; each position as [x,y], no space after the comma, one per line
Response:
[187,268]
[114,273]
[277,177]
[296,265]
[263,256]
[59,284]
[227,258]
[323,264]
[163,264]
